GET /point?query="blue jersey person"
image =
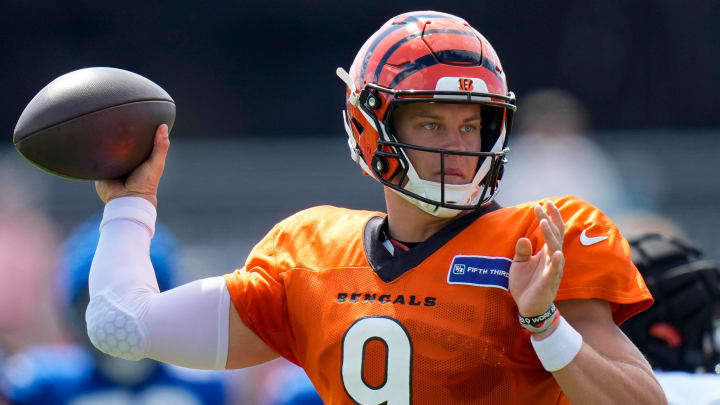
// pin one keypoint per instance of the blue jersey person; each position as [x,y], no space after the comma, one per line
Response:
[77,373]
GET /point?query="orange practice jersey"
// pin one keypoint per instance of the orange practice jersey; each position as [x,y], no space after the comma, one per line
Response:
[433,325]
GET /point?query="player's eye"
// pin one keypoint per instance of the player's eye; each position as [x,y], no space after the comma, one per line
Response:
[468,128]
[431,126]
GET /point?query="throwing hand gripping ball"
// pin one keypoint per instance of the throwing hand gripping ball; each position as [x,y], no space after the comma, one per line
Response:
[93,124]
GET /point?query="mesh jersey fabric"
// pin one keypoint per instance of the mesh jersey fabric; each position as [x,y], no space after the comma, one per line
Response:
[309,283]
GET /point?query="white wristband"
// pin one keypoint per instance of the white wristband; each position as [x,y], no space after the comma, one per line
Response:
[560,348]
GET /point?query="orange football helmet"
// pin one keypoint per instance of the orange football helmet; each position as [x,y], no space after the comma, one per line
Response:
[427,56]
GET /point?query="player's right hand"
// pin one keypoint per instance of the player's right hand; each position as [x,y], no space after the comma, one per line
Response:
[143,181]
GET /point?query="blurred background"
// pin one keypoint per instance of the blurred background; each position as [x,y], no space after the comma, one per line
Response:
[618,105]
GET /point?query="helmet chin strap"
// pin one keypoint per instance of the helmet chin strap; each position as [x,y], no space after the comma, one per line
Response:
[434,210]
[461,194]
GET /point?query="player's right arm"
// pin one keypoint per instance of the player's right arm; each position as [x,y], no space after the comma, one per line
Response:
[194,325]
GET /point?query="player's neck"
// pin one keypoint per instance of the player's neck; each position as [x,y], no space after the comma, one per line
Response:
[408,223]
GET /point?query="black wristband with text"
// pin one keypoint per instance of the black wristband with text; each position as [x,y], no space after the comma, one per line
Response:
[535,322]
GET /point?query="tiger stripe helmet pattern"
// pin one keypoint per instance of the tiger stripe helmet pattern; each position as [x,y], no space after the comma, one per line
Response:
[427,56]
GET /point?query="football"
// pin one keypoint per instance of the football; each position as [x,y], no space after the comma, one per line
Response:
[96,123]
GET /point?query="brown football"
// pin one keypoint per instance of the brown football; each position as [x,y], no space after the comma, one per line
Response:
[93,124]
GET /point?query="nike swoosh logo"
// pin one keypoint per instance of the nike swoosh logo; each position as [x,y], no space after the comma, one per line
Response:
[590,240]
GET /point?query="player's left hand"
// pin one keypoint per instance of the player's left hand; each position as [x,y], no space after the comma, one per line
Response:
[534,279]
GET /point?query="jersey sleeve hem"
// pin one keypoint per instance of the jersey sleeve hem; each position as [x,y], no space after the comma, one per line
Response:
[624,306]
[236,295]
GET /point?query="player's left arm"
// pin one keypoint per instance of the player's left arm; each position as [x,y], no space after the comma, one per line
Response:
[608,368]
[590,358]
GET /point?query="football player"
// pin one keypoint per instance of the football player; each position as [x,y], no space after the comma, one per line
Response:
[446,298]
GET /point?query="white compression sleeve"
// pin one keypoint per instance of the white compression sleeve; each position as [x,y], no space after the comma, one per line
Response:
[129,318]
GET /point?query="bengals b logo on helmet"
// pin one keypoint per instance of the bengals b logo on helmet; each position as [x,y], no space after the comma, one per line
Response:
[465,84]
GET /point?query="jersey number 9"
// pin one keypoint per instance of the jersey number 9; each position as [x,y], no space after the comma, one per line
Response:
[396,389]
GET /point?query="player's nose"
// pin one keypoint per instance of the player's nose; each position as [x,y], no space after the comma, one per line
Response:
[455,140]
